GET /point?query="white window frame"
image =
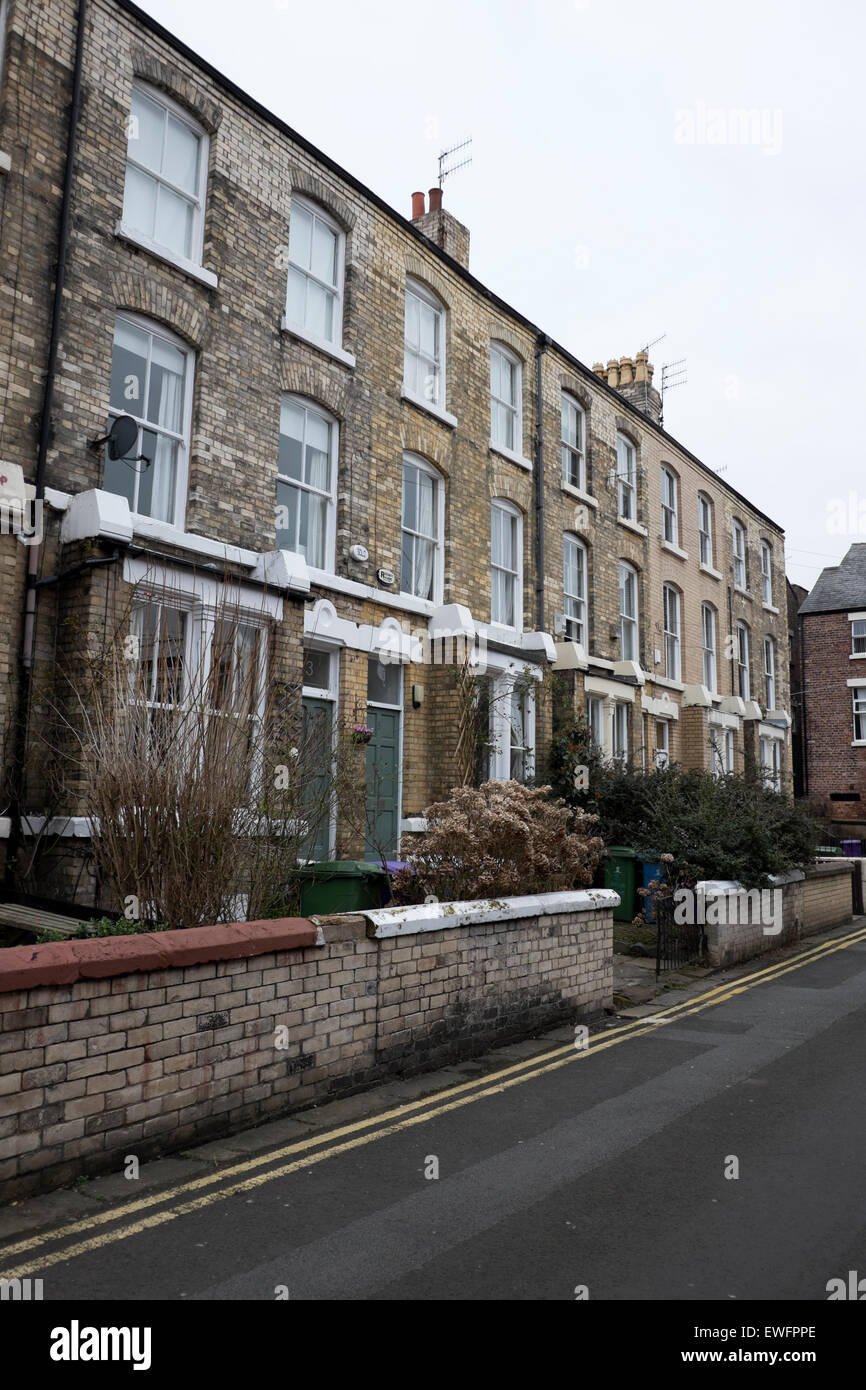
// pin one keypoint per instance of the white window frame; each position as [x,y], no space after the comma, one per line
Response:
[316,211]
[573,455]
[744,675]
[766,574]
[501,688]
[626,477]
[595,720]
[509,509]
[721,750]
[620,745]
[416,461]
[672,608]
[770,671]
[708,646]
[670,506]
[515,406]
[307,404]
[575,605]
[183,440]
[416,289]
[770,754]
[628,650]
[662,749]
[705,530]
[858,636]
[738,554]
[198,201]
[858,701]
[331,694]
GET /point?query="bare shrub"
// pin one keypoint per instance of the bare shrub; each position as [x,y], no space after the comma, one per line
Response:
[498,839]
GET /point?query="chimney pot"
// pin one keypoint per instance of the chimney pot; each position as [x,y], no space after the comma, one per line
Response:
[626,371]
[613,372]
[417,205]
[435,199]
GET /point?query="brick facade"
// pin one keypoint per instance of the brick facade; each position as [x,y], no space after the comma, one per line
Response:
[228,312]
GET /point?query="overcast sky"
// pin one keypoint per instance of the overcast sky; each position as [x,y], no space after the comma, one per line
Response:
[614,194]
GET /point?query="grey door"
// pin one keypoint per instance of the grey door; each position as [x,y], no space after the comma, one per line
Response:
[383,783]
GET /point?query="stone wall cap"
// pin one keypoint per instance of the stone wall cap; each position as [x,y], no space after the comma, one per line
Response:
[407,921]
[64,962]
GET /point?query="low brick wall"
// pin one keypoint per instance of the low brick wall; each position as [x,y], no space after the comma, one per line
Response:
[145,1044]
[813,902]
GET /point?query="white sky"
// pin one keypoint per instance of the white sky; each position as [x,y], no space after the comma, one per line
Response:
[593,214]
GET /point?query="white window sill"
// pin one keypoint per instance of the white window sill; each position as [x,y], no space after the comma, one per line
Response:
[675,550]
[770,608]
[511,456]
[857,656]
[162,253]
[579,494]
[5,162]
[744,592]
[187,540]
[858,743]
[667,683]
[347,359]
[632,526]
[436,411]
[708,569]
[324,579]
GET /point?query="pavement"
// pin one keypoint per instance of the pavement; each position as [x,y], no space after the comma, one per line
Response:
[530,1172]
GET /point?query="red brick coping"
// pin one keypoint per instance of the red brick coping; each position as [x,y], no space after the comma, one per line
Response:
[64,962]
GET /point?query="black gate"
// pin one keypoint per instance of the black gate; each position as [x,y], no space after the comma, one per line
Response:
[677,943]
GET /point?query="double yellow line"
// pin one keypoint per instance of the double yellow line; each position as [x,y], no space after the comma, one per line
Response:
[194,1195]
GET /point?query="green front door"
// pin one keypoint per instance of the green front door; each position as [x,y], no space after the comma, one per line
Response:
[383,784]
[317,795]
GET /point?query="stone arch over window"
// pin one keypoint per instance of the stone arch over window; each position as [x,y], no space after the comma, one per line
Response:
[416,437]
[302,379]
[416,269]
[143,295]
[504,483]
[501,333]
[147,67]
[308,186]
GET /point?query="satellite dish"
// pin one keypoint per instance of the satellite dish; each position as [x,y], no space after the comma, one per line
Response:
[122,435]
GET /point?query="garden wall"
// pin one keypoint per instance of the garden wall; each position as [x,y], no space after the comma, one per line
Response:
[145,1044]
[811,902]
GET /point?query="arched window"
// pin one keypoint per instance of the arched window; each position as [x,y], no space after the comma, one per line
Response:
[422,529]
[506,391]
[424,346]
[767,573]
[770,671]
[574,589]
[314,295]
[626,477]
[573,442]
[628,612]
[506,564]
[151,380]
[738,551]
[166,176]
[708,640]
[744,684]
[670,506]
[306,481]
[673,628]
[705,529]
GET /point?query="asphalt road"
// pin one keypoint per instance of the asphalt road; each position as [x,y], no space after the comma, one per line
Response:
[604,1169]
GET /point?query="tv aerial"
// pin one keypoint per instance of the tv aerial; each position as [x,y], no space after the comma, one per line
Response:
[446,169]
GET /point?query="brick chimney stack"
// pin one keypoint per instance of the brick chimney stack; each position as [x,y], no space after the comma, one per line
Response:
[440,226]
[633,378]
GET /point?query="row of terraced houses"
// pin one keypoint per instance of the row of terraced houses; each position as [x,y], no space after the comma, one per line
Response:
[374,446]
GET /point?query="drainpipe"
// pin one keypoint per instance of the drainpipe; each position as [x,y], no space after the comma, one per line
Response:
[45,436]
[804,756]
[542,343]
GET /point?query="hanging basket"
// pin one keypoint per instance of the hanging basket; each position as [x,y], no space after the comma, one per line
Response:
[361,734]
